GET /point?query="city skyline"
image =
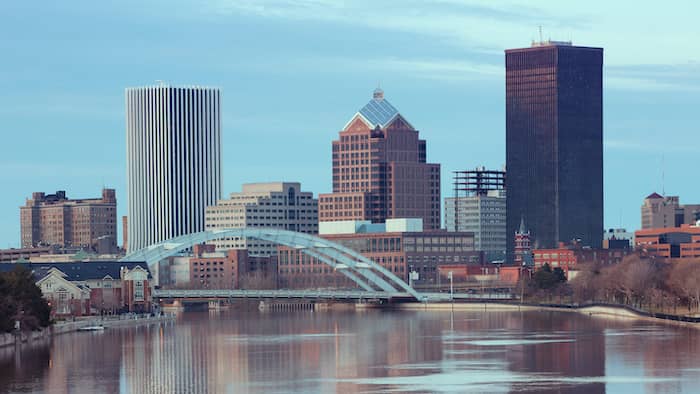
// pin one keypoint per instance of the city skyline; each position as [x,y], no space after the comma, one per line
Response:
[453,87]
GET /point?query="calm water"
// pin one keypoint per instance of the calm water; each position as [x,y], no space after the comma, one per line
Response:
[372,351]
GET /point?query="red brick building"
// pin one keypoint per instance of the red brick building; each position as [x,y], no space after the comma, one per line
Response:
[233,269]
[97,287]
[568,256]
[380,170]
[54,219]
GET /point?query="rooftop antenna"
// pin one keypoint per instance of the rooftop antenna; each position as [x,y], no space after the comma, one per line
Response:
[540,28]
[663,176]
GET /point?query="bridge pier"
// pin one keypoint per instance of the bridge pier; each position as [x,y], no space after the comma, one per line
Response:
[268,306]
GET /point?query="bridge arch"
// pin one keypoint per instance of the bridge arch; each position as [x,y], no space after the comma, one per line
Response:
[367,274]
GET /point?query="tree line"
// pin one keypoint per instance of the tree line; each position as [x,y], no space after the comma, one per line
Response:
[643,283]
[21,300]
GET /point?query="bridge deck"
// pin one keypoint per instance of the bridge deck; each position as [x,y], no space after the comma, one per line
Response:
[318,294]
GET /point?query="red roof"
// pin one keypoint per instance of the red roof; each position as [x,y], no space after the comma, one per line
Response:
[654,196]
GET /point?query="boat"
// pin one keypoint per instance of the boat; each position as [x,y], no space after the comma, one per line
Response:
[92,328]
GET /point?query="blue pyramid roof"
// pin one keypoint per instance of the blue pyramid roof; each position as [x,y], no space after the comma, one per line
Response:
[378,112]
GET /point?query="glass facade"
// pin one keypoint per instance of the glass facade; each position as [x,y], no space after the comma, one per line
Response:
[554,143]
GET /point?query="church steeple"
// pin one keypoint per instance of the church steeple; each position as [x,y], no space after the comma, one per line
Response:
[523,248]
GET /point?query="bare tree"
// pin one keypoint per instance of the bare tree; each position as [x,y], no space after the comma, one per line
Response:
[684,279]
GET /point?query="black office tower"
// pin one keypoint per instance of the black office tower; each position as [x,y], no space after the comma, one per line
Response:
[554,143]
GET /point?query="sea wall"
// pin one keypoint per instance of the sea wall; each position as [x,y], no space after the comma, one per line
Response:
[589,309]
[10,339]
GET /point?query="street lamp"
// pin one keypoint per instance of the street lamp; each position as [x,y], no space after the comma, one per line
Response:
[449,275]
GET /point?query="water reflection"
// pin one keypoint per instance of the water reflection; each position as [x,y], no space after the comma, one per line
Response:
[372,351]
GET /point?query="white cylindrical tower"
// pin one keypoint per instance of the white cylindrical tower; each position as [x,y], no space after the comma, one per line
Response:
[173,160]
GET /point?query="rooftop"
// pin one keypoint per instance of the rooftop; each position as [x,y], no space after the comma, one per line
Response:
[378,112]
[77,271]
[551,43]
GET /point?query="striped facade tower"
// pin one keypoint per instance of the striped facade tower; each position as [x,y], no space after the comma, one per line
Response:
[173,156]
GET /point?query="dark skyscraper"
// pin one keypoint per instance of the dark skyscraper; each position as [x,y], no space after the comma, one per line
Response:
[554,143]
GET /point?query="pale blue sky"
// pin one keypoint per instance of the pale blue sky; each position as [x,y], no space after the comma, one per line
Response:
[293,72]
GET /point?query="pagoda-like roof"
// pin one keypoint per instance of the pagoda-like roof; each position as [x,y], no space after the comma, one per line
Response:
[378,112]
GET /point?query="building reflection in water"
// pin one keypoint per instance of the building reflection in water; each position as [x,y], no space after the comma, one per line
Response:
[252,352]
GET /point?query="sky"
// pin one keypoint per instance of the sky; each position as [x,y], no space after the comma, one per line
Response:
[293,72]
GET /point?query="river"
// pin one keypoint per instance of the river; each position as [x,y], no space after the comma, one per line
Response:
[365,351]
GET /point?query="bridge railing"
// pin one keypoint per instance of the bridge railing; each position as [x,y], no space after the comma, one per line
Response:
[317,294]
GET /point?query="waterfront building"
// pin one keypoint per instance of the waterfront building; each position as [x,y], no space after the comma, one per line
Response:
[682,242]
[568,256]
[56,220]
[208,268]
[280,205]
[214,270]
[554,143]
[399,245]
[85,288]
[380,170]
[173,145]
[663,212]
[479,206]
[233,269]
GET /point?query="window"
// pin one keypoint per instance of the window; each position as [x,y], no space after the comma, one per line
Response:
[138,291]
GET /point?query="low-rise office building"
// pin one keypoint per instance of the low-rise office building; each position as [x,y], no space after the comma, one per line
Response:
[666,211]
[399,245]
[681,242]
[279,205]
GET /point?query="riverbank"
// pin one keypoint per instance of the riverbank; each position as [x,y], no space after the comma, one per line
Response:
[13,339]
[588,309]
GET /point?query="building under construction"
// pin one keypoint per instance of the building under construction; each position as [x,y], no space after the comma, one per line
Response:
[478,182]
[479,206]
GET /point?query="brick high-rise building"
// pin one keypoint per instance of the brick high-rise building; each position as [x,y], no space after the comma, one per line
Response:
[554,143]
[380,170]
[54,219]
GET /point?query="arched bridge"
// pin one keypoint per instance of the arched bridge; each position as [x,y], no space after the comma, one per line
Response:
[368,275]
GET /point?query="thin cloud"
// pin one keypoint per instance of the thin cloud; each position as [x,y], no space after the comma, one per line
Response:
[492,27]
[655,147]
[442,69]
[478,27]
[654,77]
